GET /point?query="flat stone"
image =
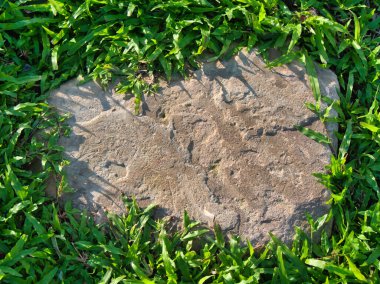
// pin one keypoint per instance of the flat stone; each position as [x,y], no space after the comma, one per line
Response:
[221,145]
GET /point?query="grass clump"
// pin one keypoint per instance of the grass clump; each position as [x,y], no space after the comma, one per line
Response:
[44,43]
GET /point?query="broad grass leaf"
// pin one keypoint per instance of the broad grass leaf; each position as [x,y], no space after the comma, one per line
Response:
[252,40]
[169,264]
[131,8]
[16,249]
[355,270]
[321,221]
[140,273]
[204,279]
[25,23]
[331,38]
[107,276]
[316,136]
[225,47]
[57,37]
[276,276]
[35,7]
[316,263]
[17,252]
[375,255]
[363,66]
[281,39]
[81,9]
[47,279]
[36,224]
[186,220]
[8,152]
[57,7]
[117,279]
[86,39]
[13,182]
[370,127]
[84,245]
[195,234]
[219,238]
[88,4]
[345,144]
[55,245]
[55,219]
[294,259]
[281,265]
[19,80]
[313,78]
[153,56]
[262,13]
[321,46]
[296,34]
[326,23]
[5,270]
[183,265]
[29,107]
[337,270]
[350,86]
[112,249]
[372,181]
[18,207]
[357,36]
[284,59]
[45,48]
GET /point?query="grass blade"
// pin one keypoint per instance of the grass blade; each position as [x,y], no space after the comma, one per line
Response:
[25,23]
[316,136]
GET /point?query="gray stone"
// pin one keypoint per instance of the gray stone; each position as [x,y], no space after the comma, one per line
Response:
[221,145]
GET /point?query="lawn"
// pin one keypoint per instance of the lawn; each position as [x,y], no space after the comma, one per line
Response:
[45,43]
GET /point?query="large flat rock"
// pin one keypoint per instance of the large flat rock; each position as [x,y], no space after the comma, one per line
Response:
[221,145]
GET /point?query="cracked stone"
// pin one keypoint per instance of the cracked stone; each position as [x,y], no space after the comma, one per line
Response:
[220,145]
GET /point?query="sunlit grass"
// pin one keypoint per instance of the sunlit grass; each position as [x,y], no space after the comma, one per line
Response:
[44,43]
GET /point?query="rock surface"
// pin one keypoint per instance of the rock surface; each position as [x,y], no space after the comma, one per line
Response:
[221,145]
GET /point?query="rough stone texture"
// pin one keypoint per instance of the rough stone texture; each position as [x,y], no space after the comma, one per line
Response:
[221,145]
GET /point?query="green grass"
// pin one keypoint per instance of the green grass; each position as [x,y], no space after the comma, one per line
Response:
[44,43]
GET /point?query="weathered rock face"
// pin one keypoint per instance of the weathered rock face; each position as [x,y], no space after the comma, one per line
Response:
[221,145]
